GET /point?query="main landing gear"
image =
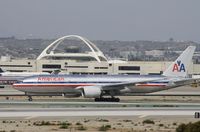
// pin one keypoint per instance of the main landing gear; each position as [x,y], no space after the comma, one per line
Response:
[30,98]
[101,99]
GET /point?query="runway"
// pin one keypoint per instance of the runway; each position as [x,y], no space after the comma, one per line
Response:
[29,113]
[32,110]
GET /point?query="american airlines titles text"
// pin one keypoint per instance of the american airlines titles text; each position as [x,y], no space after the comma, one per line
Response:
[50,79]
[178,67]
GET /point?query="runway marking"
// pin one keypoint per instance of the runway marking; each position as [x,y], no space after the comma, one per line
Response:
[142,116]
[30,117]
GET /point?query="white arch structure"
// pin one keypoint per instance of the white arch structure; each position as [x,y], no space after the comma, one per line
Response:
[95,52]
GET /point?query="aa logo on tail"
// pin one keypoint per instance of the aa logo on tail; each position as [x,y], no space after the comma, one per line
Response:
[179,67]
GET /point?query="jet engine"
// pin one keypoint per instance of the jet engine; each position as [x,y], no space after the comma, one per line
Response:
[91,91]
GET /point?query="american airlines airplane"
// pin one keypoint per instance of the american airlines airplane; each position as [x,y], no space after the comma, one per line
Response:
[99,86]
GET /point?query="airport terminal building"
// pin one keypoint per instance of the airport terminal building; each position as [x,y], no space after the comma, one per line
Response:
[77,55]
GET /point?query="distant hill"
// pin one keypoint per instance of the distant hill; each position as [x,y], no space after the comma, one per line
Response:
[31,48]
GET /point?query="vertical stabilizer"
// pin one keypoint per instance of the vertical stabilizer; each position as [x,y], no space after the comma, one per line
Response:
[179,68]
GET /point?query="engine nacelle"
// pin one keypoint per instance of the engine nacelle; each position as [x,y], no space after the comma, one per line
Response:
[92,91]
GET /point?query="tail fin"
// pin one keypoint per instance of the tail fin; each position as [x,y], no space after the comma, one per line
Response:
[179,68]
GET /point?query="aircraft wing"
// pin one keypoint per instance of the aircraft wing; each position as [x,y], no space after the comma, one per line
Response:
[120,86]
[176,83]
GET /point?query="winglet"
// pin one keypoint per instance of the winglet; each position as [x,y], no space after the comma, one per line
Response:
[179,68]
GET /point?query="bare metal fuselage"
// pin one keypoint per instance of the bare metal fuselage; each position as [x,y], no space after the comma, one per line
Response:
[69,84]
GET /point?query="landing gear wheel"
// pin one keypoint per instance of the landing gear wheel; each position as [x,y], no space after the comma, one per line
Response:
[106,99]
[30,98]
[117,99]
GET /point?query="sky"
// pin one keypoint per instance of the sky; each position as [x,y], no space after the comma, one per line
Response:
[101,19]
